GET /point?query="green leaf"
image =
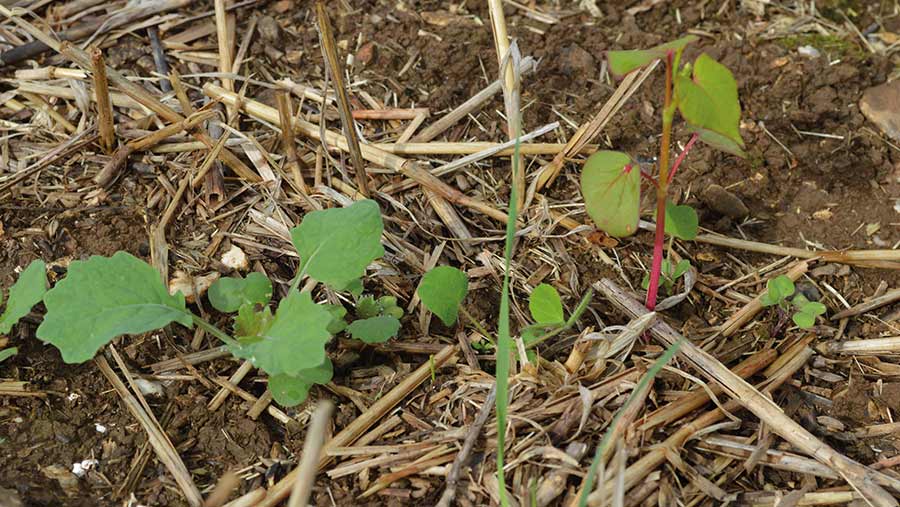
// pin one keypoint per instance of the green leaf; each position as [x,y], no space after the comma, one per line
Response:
[545,305]
[28,291]
[336,245]
[681,221]
[624,62]
[611,187]
[709,103]
[681,268]
[375,329]
[804,320]
[289,391]
[105,297]
[780,288]
[815,308]
[8,353]
[294,340]
[338,313]
[229,294]
[249,322]
[442,290]
[366,307]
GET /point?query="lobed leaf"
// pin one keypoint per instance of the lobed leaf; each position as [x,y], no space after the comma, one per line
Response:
[442,290]
[626,61]
[375,329]
[545,305]
[709,104]
[250,322]
[681,221]
[28,291]
[804,320]
[229,294]
[289,390]
[611,187]
[105,297]
[292,341]
[336,245]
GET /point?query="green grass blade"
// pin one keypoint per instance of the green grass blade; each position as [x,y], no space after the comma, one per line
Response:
[605,442]
[504,345]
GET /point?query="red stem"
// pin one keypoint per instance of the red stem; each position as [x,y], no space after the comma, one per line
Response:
[661,189]
[681,157]
[649,178]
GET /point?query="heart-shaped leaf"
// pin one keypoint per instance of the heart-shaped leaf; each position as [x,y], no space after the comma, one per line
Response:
[229,294]
[289,391]
[442,290]
[709,103]
[292,341]
[336,245]
[375,329]
[777,290]
[28,291]
[624,62]
[681,221]
[105,297]
[545,305]
[611,187]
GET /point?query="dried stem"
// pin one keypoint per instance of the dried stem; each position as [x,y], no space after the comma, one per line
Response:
[329,52]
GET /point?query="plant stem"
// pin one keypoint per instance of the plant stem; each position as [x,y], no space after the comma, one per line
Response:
[681,157]
[478,326]
[662,188]
[213,330]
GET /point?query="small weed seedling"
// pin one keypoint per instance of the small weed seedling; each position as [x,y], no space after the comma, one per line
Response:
[803,311]
[705,94]
[28,291]
[105,297]
[669,274]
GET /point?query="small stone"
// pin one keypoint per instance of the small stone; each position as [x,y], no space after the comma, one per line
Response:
[269,29]
[235,258]
[366,54]
[724,202]
[809,52]
[576,61]
[881,105]
[809,291]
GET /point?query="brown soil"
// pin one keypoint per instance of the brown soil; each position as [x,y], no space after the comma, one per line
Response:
[852,182]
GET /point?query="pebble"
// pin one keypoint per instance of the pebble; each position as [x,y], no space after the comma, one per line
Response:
[576,61]
[269,29]
[724,202]
[881,105]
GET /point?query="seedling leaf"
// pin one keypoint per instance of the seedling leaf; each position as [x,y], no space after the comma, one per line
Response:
[804,320]
[249,322]
[229,294]
[336,245]
[545,305]
[624,62]
[681,221]
[28,291]
[681,268]
[8,353]
[442,290]
[611,187]
[293,341]
[709,103]
[338,323]
[375,329]
[105,297]
[289,391]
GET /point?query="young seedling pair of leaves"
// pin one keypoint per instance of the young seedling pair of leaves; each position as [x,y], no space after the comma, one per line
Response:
[102,298]
[705,94]
[778,293]
[670,274]
[28,291]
